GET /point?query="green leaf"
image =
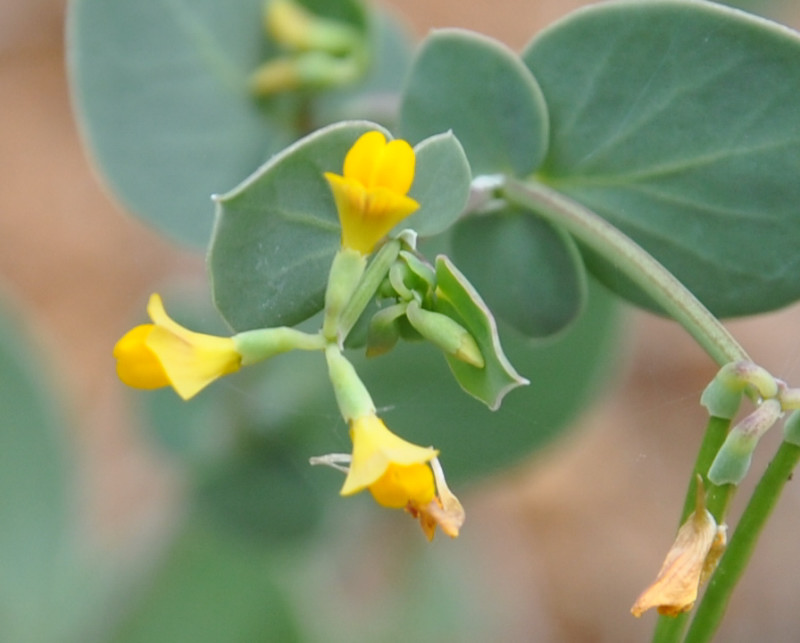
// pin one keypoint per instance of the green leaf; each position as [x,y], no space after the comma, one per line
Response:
[210,588]
[276,233]
[478,88]
[529,273]
[674,120]
[161,93]
[441,185]
[456,298]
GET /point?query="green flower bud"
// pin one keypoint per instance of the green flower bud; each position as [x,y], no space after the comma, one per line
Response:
[296,28]
[733,459]
[446,333]
[384,330]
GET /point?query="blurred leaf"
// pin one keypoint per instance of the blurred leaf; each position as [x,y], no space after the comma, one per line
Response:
[674,120]
[276,233]
[161,92]
[478,88]
[377,97]
[263,494]
[441,184]
[456,298]
[210,589]
[42,560]
[529,273]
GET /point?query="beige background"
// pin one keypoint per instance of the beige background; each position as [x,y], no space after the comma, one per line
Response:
[571,537]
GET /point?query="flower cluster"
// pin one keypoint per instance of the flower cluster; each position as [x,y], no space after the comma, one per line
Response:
[371,198]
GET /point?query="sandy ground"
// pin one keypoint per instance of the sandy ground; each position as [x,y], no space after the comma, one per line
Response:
[576,533]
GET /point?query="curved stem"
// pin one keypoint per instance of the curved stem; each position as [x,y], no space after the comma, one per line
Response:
[637,264]
[733,563]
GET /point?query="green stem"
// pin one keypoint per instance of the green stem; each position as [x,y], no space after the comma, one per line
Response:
[670,629]
[733,563]
[637,264]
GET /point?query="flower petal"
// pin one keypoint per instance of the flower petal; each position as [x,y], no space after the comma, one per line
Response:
[360,162]
[137,365]
[394,169]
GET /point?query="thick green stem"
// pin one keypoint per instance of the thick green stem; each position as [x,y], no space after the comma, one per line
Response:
[670,629]
[733,563]
[637,264]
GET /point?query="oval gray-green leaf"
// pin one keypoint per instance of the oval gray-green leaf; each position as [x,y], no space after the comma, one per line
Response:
[276,233]
[477,87]
[677,121]
[529,272]
[160,89]
[441,184]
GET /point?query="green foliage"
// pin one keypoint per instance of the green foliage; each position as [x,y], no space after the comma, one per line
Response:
[672,119]
[478,88]
[530,273]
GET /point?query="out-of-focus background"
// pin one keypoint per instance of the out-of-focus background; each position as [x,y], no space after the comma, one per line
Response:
[563,543]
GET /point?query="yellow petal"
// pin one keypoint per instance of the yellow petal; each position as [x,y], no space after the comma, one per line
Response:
[394,169]
[375,448]
[361,160]
[137,365]
[401,485]
[190,360]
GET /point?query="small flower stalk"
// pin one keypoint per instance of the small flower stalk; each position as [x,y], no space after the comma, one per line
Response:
[690,561]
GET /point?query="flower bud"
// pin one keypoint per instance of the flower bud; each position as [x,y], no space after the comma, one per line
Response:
[446,333]
[733,459]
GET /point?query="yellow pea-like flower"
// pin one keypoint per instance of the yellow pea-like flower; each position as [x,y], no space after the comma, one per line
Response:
[164,353]
[371,195]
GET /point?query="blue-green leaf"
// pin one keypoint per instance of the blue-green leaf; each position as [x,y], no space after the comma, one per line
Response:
[675,120]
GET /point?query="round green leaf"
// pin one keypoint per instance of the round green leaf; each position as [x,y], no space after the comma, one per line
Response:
[441,184]
[529,273]
[675,121]
[276,233]
[161,93]
[478,88]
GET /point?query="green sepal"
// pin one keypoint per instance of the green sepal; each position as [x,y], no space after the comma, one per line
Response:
[458,299]
[791,429]
[344,278]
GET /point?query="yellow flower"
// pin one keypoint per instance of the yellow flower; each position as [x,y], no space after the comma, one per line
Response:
[371,196]
[165,353]
[689,562]
[399,475]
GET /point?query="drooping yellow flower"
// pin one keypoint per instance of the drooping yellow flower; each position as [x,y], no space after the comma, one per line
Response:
[399,475]
[389,464]
[371,196]
[691,559]
[165,353]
